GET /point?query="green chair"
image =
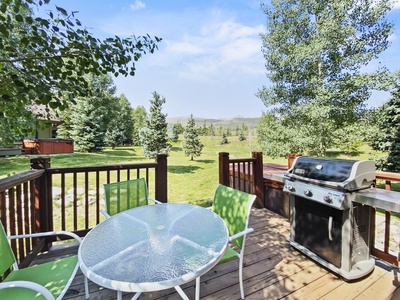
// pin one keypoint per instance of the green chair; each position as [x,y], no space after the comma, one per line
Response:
[123,195]
[234,206]
[49,280]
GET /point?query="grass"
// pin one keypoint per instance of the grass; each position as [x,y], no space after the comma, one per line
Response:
[188,181]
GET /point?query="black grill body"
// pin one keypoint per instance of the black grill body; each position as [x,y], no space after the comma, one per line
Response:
[325,223]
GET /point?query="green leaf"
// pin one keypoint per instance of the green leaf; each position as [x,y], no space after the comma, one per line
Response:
[16,8]
[19,83]
[4,31]
[62,10]
[3,7]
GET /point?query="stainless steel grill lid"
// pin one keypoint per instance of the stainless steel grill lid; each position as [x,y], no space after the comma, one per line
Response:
[338,173]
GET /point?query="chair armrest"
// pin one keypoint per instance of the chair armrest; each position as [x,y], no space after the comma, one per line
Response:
[43,234]
[27,285]
[105,214]
[242,233]
[155,201]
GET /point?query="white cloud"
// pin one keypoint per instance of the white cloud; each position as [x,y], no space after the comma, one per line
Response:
[218,49]
[396,4]
[137,5]
[392,37]
[206,57]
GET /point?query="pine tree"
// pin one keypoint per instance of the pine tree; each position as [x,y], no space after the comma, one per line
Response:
[224,139]
[87,121]
[139,116]
[242,136]
[87,127]
[175,133]
[192,145]
[120,126]
[154,137]
[388,138]
[211,130]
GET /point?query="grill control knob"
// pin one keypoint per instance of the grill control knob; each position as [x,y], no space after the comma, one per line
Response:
[308,193]
[328,198]
[290,187]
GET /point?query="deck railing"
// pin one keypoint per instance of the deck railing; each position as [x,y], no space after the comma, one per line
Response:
[243,174]
[384,252]
[47,199]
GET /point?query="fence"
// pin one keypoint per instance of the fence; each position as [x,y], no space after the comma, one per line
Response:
[247,175]
[389,223]
[47,199]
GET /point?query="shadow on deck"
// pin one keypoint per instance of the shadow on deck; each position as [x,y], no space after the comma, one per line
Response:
[273,270]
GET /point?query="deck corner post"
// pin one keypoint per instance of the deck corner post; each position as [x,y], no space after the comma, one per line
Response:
[224,168]
[43,195]
[161,178]
[258,180]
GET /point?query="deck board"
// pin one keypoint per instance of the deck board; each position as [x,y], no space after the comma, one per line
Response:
[273,270]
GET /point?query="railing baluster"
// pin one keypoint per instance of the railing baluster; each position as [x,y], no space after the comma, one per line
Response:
[20,216]
[249,181]
[239,177]
[75,201]
[63,214]
[86,200]
[11,210]
[97,197]
[34,207]
[387,231]
[3,209]
[27,217]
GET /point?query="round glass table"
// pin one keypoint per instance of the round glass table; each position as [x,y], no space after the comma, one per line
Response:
[153,247]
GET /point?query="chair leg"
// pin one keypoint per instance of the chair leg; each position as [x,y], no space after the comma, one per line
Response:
[241,275]
[136,296]
[197,296]
[86,288]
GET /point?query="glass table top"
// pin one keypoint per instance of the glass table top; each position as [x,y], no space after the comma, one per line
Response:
[153,247]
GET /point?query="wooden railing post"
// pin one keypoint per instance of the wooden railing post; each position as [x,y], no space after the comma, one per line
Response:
[43,192]
[161,178]
[224,168]
[258,179]
[291,158]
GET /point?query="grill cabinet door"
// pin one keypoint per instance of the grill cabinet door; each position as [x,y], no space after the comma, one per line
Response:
[312,229]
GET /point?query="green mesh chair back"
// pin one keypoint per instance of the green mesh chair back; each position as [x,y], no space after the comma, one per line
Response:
[120,196]
[233,206]
[7,258]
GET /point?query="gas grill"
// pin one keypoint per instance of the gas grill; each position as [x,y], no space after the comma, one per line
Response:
[325,222]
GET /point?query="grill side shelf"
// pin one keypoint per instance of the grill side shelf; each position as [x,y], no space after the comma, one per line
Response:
[388,200]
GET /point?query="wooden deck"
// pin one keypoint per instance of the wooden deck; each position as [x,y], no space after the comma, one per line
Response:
[273,270]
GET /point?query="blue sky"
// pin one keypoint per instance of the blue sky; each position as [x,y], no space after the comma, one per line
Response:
[209,63]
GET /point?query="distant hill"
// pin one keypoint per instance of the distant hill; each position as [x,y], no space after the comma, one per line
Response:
[225,123]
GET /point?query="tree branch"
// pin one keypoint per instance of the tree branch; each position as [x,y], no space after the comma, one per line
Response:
[72,54]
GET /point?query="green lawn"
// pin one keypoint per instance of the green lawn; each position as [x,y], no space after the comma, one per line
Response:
[188,181]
